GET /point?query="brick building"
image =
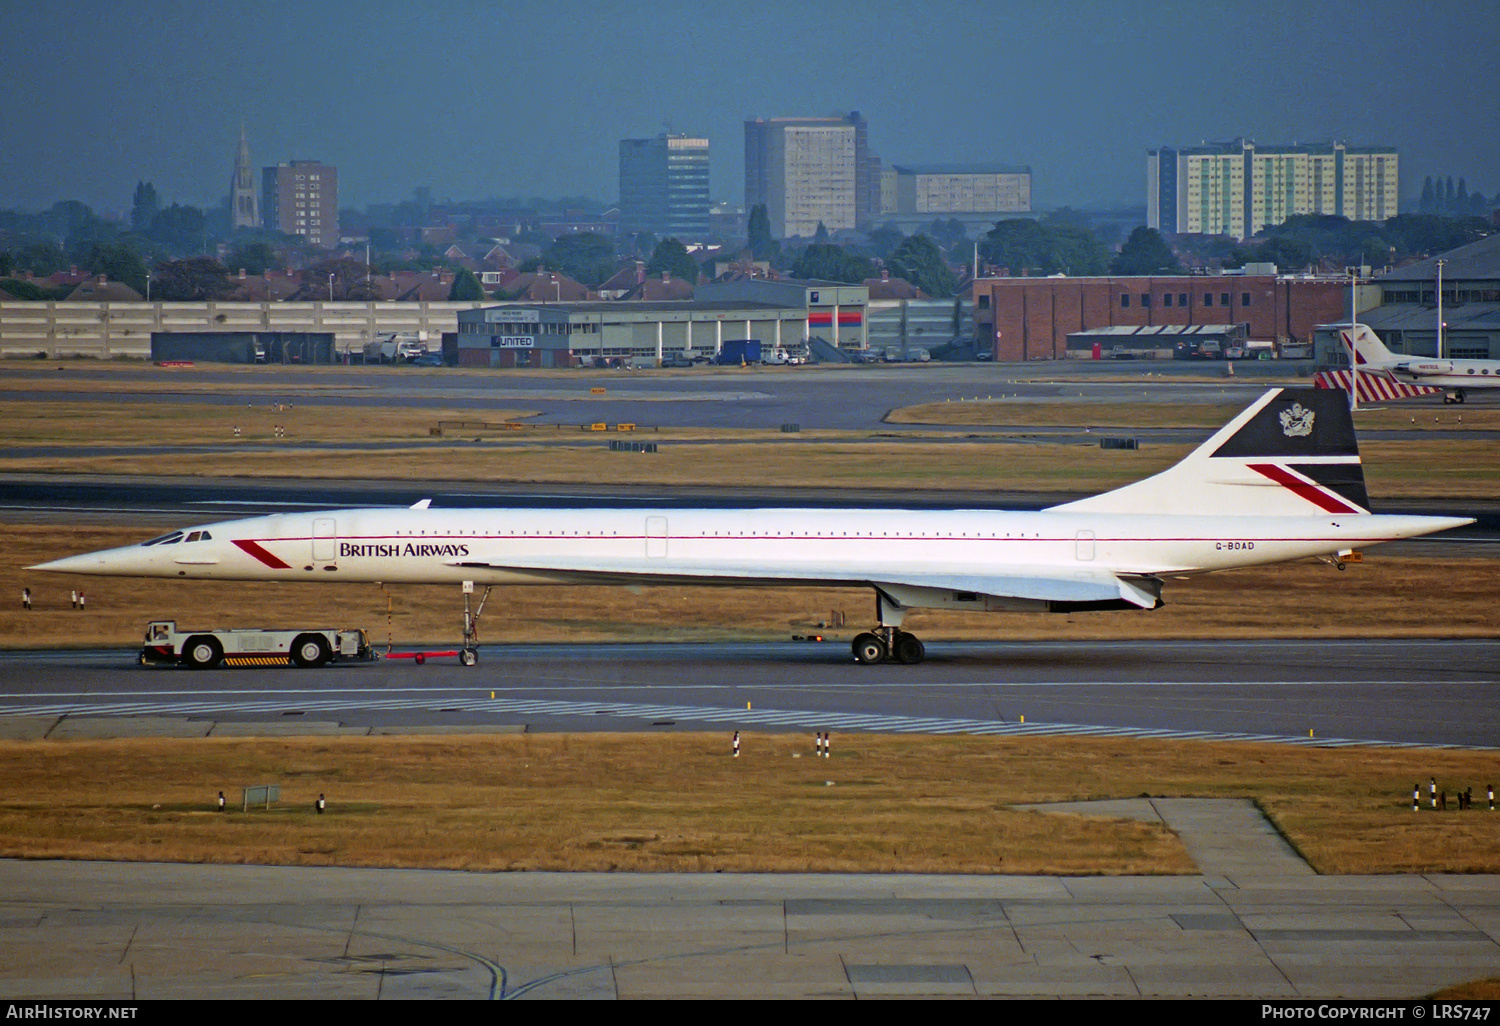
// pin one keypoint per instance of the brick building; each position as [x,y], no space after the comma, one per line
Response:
[1031,318]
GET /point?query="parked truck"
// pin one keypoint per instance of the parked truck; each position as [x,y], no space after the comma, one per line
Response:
[402,347]
[207,649]
[737,352]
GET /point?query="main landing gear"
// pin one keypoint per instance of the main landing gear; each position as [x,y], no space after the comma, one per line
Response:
[888,641]
[1453,396]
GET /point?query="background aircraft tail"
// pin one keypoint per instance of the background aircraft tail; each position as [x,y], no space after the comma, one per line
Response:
[1373,385]
[1290,453]
[1364,347]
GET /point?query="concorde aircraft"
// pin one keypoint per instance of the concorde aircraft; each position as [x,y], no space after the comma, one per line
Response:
[1280,481]
[1455,377]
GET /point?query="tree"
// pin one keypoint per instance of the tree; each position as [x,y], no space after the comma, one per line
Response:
[68,218]
[832,263]
[179,228]
[351,279]
[40,258]
[144,207]
[466,287]
[672,256]
[196,279]
[920,262]
[1146,252]
[947,233]
[762,246]
[585,257]
[1045,247]
[119,263]
[253,258]
[884,240]
[31,292]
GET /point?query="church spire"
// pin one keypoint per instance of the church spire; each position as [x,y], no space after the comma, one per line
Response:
[244,200]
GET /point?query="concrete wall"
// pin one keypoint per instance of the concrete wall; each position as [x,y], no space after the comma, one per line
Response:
[106,330]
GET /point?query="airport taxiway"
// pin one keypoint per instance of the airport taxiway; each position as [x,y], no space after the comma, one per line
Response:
[1428,692]
[145,932]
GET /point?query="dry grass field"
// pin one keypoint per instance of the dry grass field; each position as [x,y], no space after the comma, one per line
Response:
[680,802]
[283,439]
[998,412]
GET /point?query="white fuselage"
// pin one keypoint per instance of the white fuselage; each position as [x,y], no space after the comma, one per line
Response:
[1445,373]
[800,546]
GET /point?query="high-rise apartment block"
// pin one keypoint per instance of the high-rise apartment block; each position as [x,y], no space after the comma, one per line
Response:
[961,188]
[1237,188]
[664,186]
[808,171]
[302,198]
[244,201]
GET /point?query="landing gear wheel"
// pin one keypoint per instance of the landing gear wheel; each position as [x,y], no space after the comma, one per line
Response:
[909,649]
[202,653]
[310,651]
[869,648]
[468,657]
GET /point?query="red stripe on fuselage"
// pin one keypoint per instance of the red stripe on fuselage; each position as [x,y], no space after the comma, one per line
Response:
[252,549]
[1312,493]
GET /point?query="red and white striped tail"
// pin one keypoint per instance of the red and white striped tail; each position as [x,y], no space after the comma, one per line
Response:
[1373,385]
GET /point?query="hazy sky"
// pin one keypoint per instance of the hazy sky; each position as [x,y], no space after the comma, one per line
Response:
[480,98]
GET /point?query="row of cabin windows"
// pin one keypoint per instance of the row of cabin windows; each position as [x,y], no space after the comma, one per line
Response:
[1182,299]
[716,534]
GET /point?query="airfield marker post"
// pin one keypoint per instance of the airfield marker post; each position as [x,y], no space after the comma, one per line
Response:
[1416,796]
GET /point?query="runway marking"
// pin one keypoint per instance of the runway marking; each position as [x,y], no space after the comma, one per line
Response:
[811,719]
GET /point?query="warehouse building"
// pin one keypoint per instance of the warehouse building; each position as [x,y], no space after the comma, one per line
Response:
[1031,318]
[617,334]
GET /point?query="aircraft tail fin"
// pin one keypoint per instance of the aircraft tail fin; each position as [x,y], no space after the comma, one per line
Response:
[1290,453]
[1364,347]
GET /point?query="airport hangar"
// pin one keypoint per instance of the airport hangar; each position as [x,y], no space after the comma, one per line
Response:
[778,314]
[1021,319]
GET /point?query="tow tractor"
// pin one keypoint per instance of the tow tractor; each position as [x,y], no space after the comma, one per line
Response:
[207,649]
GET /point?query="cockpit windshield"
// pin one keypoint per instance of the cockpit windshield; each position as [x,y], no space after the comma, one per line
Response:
[177,536]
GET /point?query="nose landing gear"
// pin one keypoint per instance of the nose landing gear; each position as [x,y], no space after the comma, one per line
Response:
[469,654]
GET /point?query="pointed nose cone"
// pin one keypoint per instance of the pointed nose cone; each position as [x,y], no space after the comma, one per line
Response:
[70,565]
[109,563]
